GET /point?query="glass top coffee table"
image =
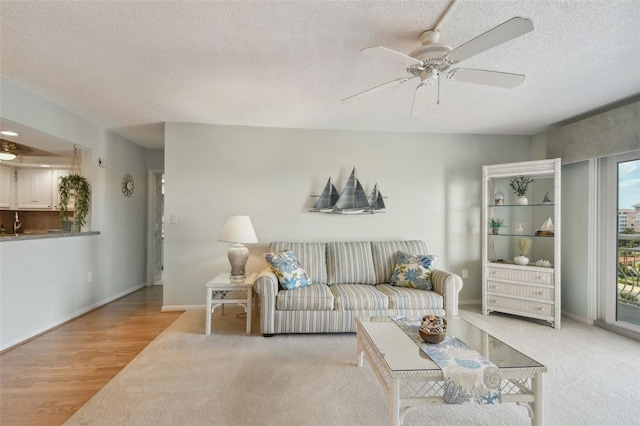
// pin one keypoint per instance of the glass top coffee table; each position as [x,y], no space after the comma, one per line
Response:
[411,379]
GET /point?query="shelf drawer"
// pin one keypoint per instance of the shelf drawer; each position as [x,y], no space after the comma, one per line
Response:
[539,277]
[532,292]
[523,306]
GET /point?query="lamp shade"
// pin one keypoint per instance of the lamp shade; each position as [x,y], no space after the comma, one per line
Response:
[238,229]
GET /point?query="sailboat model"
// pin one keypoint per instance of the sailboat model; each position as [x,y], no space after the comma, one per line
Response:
[353,200]
[376,203]
[327,199]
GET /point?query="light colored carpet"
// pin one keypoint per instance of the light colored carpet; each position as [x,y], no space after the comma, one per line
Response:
[229,378]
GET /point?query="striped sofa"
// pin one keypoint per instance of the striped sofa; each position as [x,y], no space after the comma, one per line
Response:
[350,279]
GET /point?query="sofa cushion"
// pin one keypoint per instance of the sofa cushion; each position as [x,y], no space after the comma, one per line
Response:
[358,296]
[312,257]
[315,297]
[410,298]
[413,270]
[287,268]
[384,256]
[350,263]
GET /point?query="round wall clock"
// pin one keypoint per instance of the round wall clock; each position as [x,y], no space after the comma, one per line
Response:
[127,185]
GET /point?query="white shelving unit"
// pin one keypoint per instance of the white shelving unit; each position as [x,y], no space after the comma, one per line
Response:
[530,290]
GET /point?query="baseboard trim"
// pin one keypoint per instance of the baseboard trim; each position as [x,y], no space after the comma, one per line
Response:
[577,318]
[47,328]
[169,308]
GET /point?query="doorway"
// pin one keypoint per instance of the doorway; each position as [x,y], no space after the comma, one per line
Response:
[618,261]
[155,233]
[628,245]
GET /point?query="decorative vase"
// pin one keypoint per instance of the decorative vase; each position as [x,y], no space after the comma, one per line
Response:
[494,231]
[522,200]
[521,260]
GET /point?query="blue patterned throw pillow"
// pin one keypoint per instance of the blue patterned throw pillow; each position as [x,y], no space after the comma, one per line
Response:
[413,271]
[287,268]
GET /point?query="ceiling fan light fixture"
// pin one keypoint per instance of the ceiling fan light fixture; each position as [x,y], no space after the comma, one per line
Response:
[428,76]
[7,156]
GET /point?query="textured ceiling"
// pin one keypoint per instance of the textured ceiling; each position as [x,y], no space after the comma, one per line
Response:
[133,65]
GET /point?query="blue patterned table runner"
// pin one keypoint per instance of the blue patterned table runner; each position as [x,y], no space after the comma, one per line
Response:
[468,376]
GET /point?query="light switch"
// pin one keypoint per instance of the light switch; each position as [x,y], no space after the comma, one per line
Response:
[173,218]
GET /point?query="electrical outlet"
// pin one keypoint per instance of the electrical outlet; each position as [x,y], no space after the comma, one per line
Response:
[90,277]
[102,163]
[173,218]
[465,273]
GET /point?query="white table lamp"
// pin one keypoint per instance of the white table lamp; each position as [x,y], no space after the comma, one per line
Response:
[238,230]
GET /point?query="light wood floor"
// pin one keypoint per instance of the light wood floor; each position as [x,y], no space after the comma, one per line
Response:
[46,380]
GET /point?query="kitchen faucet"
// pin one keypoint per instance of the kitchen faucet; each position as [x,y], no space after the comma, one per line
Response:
[16,224]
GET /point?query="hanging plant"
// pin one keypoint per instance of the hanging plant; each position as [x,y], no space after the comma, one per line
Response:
[75,186]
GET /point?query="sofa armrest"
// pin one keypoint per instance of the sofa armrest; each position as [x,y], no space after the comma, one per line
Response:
[266,285]
[448,285]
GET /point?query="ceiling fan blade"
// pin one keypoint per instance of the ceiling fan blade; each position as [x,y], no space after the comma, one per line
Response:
[420,99]
[377,88]
[489,78]
[390,55]
[504,32]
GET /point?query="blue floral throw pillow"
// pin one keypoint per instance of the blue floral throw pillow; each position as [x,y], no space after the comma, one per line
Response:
[288,270]
[413,271]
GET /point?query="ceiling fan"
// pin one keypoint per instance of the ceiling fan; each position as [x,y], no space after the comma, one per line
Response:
[433,59]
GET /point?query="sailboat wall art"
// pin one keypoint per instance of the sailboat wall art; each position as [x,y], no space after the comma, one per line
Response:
[353,200]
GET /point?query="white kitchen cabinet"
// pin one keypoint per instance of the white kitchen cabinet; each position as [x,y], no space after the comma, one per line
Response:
[57,175]
[529,290]
[7,184]
[34,189]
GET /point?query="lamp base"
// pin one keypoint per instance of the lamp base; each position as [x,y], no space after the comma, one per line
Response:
[241,278]
[238,255]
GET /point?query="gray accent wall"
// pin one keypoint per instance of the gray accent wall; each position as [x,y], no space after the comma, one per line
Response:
[612,132]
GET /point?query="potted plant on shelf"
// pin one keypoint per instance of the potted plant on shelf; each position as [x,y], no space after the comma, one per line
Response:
[520,184]
[74,186]
[495,224]
[523,245]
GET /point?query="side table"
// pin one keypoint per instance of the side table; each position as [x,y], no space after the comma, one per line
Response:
[221,290]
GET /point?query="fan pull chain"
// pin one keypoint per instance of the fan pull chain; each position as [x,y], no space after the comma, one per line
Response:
[438,103]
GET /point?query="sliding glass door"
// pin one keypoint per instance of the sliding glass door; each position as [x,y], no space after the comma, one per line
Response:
[616,264]
[627,285]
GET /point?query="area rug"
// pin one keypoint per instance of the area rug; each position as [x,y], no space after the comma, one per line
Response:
[229,378]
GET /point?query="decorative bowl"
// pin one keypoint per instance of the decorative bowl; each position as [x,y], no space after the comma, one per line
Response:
[433,337]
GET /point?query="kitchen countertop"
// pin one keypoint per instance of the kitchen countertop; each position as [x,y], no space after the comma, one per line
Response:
[39,235]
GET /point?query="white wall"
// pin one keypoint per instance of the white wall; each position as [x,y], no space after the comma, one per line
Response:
[575,221]
[155,159]
[433,185]
[117,257]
